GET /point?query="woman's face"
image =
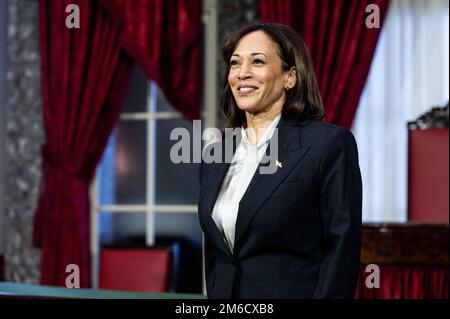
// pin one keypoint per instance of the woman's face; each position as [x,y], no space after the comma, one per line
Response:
[256,77]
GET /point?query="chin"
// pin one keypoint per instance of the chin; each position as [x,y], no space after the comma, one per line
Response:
[248,108]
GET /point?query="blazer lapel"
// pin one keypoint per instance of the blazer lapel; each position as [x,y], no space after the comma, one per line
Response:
[290,152]
[216,174]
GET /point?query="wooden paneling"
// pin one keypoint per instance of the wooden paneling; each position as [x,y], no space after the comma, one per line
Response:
[405,243]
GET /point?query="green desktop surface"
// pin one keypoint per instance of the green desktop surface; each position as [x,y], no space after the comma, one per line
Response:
[15,290]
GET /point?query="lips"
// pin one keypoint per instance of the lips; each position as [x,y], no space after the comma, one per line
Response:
[246,89]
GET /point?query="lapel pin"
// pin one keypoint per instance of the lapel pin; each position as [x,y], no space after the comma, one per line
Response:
[278,164]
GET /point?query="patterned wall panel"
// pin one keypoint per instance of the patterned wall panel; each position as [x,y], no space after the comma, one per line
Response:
[24,135]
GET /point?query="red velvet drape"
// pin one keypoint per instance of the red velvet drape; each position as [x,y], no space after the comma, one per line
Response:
[164,38]
[406,282]
[339,42]
[85,73]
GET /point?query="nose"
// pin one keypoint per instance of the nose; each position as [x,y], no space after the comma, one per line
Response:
[244,72]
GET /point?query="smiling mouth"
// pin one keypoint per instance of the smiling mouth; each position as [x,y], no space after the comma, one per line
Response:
[246,90]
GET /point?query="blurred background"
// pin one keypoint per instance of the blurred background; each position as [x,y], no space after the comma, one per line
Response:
[89,96]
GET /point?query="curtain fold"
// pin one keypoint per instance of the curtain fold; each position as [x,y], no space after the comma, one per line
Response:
[85,74]
[164,38]
[339,42]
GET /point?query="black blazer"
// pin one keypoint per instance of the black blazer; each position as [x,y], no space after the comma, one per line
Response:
[298,231]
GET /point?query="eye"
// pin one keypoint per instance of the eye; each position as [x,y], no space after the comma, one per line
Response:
[258,61]
[234,62]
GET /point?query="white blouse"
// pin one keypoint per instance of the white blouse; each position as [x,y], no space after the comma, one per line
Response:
[242,168]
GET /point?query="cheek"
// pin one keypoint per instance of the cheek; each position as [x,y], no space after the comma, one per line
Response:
[269,78]
[278,84]
[273,85]
[231,77]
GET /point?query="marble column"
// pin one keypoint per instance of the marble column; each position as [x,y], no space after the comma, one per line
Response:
[23,138]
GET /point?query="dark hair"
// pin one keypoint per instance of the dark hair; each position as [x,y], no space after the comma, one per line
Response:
[303,101]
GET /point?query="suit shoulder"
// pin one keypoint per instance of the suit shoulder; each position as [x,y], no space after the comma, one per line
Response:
[316,125]
[322,132]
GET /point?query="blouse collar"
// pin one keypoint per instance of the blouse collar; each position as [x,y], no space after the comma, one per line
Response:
[265,138]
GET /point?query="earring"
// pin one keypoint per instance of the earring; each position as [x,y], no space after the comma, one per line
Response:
[287,89]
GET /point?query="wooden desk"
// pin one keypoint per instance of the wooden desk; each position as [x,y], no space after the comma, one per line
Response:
[412,258]
[422,243]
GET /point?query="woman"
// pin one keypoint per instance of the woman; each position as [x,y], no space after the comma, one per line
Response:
[294,233]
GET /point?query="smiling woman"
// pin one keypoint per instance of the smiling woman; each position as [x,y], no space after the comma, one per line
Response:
[294,233]
[262,58]
[256,75]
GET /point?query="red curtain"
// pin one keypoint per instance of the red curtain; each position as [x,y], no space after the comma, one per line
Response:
[339,42]
[406,282]
[85,73]
[164,38]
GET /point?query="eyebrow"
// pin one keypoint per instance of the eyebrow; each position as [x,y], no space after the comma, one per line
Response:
[252,54]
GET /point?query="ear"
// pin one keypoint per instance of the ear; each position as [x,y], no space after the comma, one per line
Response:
[291,79]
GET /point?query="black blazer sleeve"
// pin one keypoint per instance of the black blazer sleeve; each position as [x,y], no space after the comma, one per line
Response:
[340,210]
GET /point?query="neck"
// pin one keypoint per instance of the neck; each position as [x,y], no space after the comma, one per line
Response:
[256,122]
[262,119]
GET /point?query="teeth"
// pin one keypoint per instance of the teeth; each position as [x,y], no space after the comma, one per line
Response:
[246,89]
